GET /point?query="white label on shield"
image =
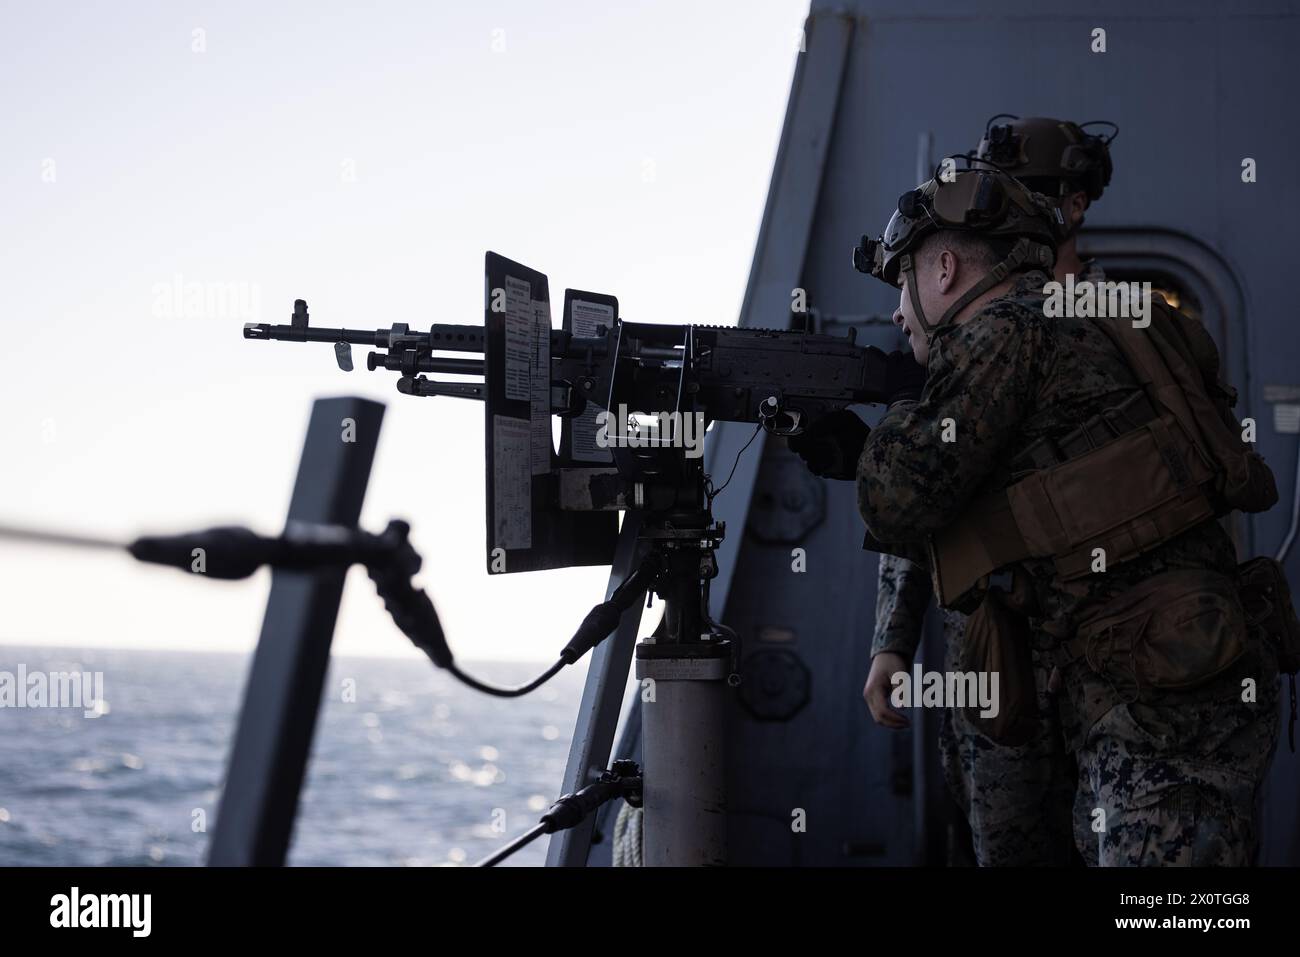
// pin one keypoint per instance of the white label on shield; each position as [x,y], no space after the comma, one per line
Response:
[586,316]
[541,398]
[512,517]
[519,322]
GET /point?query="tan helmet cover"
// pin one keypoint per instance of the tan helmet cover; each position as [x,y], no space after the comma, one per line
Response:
[1041,147]
[986,203]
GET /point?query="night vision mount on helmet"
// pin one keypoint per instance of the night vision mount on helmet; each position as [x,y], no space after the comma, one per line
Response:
[1041,148]
[988,203]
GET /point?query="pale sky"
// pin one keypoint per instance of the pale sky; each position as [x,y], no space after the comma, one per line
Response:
[362,156]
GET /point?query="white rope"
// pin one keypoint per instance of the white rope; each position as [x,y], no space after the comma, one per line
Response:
[627,836]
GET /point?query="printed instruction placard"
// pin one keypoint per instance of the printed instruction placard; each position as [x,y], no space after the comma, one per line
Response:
[512,514]
[583,319]
[521,345]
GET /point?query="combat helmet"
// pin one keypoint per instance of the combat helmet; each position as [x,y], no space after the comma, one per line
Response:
[987,203]
[1037,148]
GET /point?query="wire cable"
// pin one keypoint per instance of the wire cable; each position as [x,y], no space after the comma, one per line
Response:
[503,692]
[520,842]
[713,493]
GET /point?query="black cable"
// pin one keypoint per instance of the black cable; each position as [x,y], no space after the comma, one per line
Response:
[502,692]
[730,634]
[1107,139]
[623,779]
[520,842]
[973,157]
[713,493]
[595,628]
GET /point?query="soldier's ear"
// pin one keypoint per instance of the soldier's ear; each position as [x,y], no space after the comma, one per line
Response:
[946,269]
[1076,205]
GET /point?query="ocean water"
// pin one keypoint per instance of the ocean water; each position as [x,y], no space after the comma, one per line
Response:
[417,771]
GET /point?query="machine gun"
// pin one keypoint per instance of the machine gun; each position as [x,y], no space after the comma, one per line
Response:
[779,378]
[627,395]
[634,401]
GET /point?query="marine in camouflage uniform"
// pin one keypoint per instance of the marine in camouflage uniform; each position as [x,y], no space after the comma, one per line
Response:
[1169,779]
[1016,799]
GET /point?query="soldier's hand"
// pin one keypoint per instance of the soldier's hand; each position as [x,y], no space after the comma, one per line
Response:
[876,693]
[904,377]
[832,445]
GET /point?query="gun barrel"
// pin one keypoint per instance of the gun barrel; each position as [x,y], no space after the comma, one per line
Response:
[357,337]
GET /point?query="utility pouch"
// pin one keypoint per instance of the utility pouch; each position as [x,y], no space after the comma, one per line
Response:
[997,641]
[1174,632]
[1125,497]
[1267,600]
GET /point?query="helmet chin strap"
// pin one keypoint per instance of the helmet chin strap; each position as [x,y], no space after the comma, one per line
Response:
[1024,251]
[907,270]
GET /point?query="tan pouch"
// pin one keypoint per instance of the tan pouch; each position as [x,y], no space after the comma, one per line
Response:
[997,642]
[1173,632]
[1127,496]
